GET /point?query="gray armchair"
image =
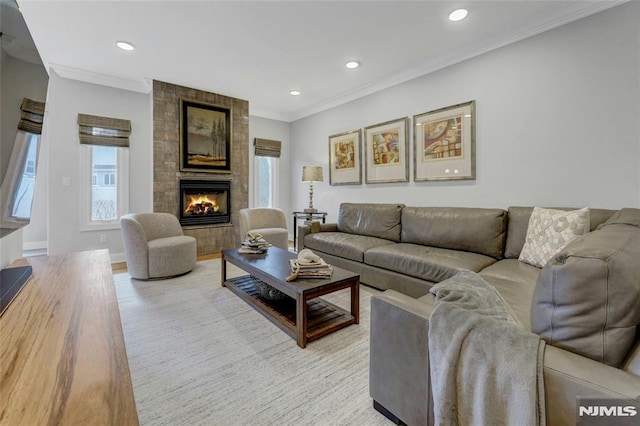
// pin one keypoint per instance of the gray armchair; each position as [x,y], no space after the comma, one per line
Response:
[270,223]
[155,246]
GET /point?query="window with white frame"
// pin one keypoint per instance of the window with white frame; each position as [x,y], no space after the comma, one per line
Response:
[104,186]
[265,182]
[104,174]
[267,153]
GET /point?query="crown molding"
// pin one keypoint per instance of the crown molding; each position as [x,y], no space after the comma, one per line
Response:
[430,67]
[140,86]
[267,113]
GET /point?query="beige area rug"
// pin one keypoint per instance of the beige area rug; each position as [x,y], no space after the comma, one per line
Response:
[199,355]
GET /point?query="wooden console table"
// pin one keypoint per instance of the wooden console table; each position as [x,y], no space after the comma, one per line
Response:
[62,352]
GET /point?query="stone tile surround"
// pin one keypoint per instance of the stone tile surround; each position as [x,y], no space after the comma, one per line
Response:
[166,162]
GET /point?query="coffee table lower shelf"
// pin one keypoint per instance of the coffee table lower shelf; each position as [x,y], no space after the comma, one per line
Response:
[322,317]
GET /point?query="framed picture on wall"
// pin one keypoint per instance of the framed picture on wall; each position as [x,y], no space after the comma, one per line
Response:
[445,143]
[386,153]
[345,158]
[205,137]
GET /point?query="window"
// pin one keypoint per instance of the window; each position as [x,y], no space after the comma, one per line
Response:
[24,190]
[104,174]
[109,179]
[265,181]
[267,152]
[104,198]
[104,191]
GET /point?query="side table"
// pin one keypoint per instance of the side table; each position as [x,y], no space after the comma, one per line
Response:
[305,216]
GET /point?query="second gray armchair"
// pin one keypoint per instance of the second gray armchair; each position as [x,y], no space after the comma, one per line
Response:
[271,223]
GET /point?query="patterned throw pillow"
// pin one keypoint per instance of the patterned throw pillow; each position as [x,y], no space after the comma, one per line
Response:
[550,231]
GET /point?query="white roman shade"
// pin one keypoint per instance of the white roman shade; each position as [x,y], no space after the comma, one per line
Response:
[267,148]
[32,116]
[96,130]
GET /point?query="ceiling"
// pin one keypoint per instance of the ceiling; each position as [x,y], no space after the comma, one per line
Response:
[260,50]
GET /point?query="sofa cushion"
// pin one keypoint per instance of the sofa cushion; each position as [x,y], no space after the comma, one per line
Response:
[515,281]
[518,222]
[587,298]
[427,263]
[549,231]
[470,229]
[341,244]
[374,220]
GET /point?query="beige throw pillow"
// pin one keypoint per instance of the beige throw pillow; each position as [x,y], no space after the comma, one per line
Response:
[550,231]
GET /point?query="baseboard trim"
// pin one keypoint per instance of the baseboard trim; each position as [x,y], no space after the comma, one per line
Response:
[34,245]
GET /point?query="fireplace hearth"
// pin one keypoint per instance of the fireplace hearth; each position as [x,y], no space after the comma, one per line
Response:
[204,202]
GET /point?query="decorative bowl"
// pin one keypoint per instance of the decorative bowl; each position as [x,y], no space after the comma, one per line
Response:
[266,291]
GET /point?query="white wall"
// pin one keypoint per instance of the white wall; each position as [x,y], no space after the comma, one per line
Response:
[265,128]
[557,123]
[66,99]
[10,248]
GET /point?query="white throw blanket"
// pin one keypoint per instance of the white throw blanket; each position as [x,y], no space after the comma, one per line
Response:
[485,370]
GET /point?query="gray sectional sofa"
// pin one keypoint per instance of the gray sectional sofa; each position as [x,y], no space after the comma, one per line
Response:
[585,302]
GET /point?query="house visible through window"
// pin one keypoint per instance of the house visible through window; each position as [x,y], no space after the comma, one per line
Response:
[104,196]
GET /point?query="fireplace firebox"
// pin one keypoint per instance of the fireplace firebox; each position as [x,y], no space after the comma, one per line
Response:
[204,202]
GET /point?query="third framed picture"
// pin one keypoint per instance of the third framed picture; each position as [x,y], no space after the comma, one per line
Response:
[445,143]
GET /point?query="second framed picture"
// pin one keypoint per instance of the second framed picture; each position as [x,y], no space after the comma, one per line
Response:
[386,153]
[345,158]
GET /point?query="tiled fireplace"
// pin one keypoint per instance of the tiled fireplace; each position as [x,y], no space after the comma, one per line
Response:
[214,227]
[204,202]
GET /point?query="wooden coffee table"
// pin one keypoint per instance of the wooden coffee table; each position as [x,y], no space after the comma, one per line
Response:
[302,315]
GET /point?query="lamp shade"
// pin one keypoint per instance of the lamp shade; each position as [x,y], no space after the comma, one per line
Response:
[312,174]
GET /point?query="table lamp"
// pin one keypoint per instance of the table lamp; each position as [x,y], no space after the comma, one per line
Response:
[311,174]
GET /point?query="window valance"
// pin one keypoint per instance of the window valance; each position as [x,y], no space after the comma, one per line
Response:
[96,130]
[267,148]
[32,116]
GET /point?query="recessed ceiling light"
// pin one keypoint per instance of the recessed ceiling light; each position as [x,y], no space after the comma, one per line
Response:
[458,15]
[295,93]
[125,45]
[352,64]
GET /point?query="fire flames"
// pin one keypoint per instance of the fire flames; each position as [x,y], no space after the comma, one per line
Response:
[201,205]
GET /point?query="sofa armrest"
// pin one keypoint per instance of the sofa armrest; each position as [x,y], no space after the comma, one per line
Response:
[568,376]
[399,358]
[304,230]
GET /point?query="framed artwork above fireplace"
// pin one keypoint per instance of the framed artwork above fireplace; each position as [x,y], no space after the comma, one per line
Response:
[205,137]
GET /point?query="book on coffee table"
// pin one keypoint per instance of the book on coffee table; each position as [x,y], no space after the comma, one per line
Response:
[318,269]
[253,244]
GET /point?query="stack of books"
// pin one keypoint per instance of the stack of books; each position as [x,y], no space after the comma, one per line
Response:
[311,269]
[254,244]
